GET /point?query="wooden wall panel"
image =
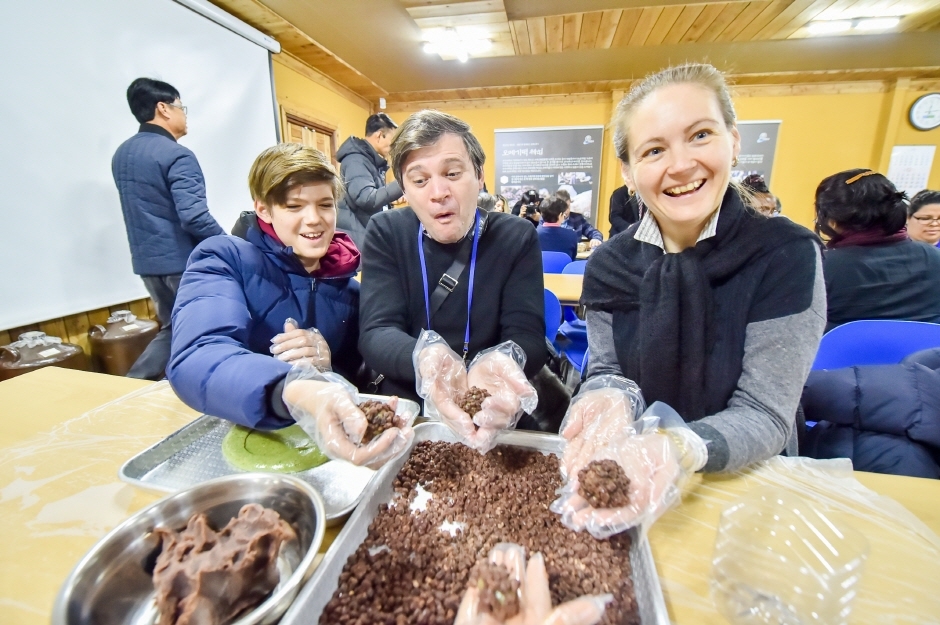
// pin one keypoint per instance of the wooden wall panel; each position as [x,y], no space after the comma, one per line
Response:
[520,35]
[665,21]
[724,20]
[74,328]
[537,35]
[771,11]
[703,21]
[743,19]
[554,33]
[779,22]
[627,26]
[608,27]
[589,27]
[683,22]
[571,33]
[644,25]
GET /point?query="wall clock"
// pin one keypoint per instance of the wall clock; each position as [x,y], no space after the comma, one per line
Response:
[925,112]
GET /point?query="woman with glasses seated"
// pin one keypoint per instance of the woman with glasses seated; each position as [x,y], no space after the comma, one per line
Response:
[923,217]
[873,269]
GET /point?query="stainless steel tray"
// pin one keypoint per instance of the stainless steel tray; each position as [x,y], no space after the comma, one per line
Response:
[193,454]
[309,604]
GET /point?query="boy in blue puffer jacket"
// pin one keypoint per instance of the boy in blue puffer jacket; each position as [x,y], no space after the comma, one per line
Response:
[243,306]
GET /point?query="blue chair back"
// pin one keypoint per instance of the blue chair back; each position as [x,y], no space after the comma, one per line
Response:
[554,262]
[575,267]
[552,315]
[876,342]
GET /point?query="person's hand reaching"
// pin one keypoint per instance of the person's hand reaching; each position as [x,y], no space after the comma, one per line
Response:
[534,599]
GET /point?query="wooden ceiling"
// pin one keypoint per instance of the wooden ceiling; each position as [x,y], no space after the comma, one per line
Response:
[662,24]
[541,47]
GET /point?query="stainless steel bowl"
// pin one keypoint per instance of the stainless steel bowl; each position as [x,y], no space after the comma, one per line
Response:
[112,584]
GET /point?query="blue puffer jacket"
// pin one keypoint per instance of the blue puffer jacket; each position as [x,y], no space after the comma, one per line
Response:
[234,297]
[886,418]
[163,197]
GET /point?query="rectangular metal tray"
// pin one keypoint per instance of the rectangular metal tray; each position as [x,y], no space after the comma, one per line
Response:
[309,604]
[193,454]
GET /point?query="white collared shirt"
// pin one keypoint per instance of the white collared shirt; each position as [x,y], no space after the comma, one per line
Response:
[649,232]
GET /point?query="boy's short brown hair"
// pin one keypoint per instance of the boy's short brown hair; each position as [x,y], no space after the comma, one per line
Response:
[286,165]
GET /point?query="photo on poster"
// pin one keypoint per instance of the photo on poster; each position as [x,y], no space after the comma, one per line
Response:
[549,159]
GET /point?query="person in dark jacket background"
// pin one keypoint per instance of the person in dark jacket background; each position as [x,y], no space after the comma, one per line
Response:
[527,207]
[552,236]
[576,221]
[363,168]
[163,198]
[872,269]
[885,418]
[237,295]
[624,210]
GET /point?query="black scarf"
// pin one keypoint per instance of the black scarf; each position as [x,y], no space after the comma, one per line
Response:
[671,353]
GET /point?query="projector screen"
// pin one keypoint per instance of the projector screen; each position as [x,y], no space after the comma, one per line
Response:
[64,112]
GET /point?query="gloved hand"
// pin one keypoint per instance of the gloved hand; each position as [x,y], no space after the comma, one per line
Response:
[295,344]
[595,243]
[510,391]
[326,406]
[655,460]
[604,410]
[535,599]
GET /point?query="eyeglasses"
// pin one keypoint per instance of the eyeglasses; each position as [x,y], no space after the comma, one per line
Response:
[179,106]
[926,219]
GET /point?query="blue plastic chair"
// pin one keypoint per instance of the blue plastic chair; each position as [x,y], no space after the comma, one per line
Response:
[552,315]
[575,267]
[554,262]
[875,342]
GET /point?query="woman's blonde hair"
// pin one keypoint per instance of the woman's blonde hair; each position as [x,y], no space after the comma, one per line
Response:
[286,165]
[702,74]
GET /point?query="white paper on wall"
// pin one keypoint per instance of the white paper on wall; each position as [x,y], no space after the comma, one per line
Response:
[910,166]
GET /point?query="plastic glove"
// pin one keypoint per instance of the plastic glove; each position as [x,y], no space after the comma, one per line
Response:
[603,411]
[655,460]
[499,371]
[595,243]
[535,599]
[326,407]
[295,344]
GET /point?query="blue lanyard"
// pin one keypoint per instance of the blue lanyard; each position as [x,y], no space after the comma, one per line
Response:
[473,268]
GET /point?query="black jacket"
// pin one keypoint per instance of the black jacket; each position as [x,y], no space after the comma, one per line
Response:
[508,299]
[891,281]
[624,210]
[363,171]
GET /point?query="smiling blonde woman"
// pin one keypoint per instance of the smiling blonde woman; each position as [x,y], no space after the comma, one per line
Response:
[707,305]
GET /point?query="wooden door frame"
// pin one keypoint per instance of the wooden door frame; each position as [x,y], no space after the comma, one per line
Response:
[301,118]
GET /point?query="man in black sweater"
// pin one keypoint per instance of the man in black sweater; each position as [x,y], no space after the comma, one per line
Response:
[439,164]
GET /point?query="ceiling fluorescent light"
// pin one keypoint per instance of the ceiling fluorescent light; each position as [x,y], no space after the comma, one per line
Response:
[451,43]
[877,23]
[829,27]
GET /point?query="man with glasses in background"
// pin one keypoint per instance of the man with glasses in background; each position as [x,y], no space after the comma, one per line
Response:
[163,198]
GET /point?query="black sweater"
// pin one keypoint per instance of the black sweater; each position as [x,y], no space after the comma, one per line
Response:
[508,299]
[891,281]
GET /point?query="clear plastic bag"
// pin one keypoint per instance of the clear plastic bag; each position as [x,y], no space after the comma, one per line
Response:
[657,452]
[326,406]
[296,344]
[780,560]
[442,380]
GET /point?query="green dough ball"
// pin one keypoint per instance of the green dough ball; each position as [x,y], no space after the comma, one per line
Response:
[284,451]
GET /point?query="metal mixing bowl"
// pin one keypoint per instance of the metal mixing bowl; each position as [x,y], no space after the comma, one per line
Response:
[112,584]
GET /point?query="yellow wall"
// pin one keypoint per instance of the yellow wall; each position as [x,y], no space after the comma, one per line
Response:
[820,134]
[300,93]
[908,135]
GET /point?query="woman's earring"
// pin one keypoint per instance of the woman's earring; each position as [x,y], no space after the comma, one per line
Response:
[734,162]
[631,192]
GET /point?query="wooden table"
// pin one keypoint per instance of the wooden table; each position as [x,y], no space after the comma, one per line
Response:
[566,287]
[62,443]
